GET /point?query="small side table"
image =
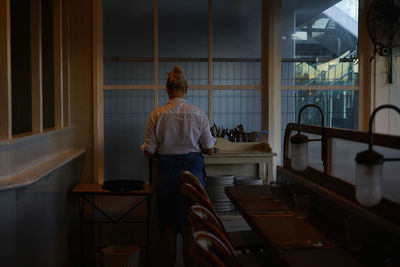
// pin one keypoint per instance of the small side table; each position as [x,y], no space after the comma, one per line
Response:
[84,190]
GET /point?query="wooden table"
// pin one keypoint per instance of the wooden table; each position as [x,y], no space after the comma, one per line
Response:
[85,190]
[254,201]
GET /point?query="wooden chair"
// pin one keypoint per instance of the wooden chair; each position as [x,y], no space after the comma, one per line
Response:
[241,240]
[202,219]
[190,178]
[196,197]
[209,250]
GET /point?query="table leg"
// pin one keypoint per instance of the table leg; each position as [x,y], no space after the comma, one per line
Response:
[81,206]
[148,230]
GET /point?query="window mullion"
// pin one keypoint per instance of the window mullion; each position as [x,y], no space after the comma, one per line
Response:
[210,60]
[66,63]
[155,53]
[58,73]
[36,66]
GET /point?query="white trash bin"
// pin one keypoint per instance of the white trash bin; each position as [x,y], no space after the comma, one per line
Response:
[121,256]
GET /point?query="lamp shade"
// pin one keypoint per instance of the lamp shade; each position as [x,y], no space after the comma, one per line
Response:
[368,184]
[299,152]
[369,168]
[369,178]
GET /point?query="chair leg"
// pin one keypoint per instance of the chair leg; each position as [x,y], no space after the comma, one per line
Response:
[167,246]
[187,237]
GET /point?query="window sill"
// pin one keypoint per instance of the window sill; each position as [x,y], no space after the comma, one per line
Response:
[35,173]
[22,153]
[21,139]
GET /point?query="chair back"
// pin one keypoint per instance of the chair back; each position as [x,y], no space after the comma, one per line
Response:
[190,178]
[196,197]
[212,251]
[201,219]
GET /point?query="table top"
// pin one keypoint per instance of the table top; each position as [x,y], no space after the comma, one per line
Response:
[257,203]
[95,189]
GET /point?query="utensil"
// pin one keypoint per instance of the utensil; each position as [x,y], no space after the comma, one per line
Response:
[305,244]
[257,198]
[273,213]
[269,210]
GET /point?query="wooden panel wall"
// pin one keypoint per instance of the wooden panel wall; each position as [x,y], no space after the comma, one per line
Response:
[5,70]
[98,118]
[81,68]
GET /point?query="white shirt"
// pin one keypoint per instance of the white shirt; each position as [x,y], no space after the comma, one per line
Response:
[177,128]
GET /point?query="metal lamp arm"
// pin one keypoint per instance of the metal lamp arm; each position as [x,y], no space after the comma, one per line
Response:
[371,120]
[303,108]
[323,138]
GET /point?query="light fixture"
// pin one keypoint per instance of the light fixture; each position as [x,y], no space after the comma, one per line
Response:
[369,168]
[299,144]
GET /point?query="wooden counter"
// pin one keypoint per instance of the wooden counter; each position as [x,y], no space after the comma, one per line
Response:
[275,231]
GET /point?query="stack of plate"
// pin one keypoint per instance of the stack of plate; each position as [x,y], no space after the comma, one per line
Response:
[215,187]
[248,180]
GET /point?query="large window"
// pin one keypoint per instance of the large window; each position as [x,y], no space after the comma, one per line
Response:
[218,43]
[20,67]
[319,62]
[34,97]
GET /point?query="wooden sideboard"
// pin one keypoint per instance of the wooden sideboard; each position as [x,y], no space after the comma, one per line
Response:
[241,159]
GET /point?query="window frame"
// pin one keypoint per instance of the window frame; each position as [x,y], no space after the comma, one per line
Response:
[270,85]
[61,69]
[329,87]
[268,72]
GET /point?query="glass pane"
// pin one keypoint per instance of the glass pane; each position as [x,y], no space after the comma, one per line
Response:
[237,42]
[234,107]
[198,98]
[125,120]
[343,158]
[183,39]
[319,43]
[196,72]
[183,29]
[128,41]
[314,153]
[117,73]
[236,29]
[343,165]
[20,68]
[48,64]
[237,73]
[340,108]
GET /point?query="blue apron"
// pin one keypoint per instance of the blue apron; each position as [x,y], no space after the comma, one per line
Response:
[172,207]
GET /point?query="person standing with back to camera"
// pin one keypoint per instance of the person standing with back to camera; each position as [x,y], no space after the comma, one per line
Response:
[178,132]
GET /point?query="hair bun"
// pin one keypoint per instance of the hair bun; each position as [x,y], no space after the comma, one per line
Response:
[176,79]
[177,70]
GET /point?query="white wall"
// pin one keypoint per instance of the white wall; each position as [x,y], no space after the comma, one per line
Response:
[37,224]
[387,121]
